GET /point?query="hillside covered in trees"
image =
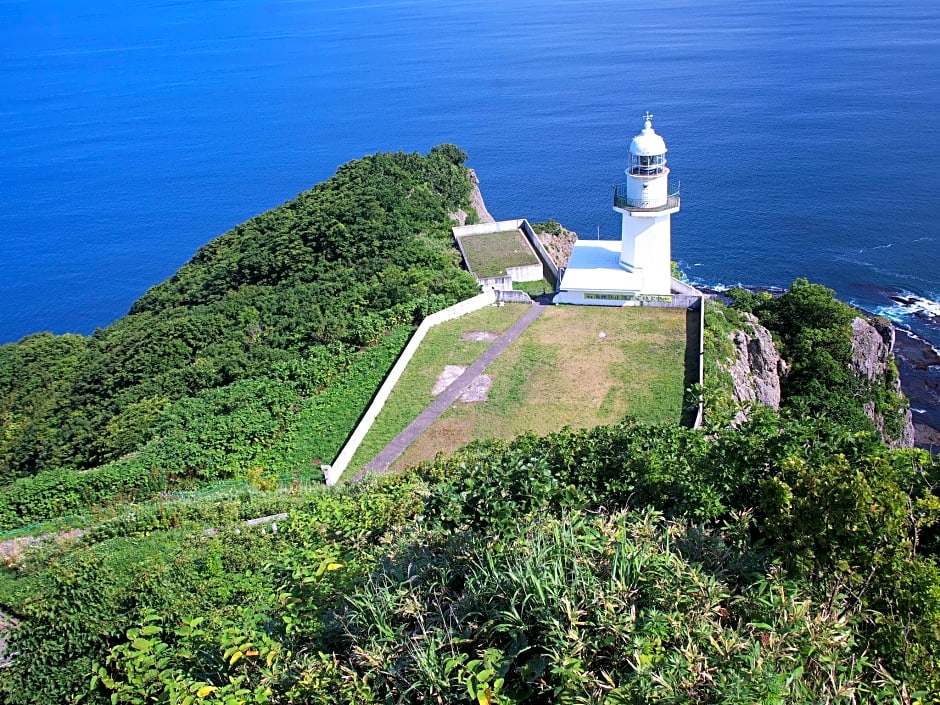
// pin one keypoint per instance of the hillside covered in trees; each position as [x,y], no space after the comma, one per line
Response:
[260,352]
[789,559]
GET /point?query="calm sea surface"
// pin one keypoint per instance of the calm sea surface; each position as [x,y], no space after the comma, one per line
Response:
[806,135]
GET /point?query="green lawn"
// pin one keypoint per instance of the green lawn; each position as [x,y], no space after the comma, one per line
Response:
[441,346]
[491,254]
[560,373]
[534,289]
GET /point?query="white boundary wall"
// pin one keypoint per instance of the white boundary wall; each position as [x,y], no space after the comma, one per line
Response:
[498,283]
[333,472]
[501,226]
[525,273]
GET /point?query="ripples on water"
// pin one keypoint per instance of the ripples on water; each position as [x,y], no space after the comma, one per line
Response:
[804,134]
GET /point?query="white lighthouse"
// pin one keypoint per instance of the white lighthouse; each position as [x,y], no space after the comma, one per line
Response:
[646,205]
[638,268]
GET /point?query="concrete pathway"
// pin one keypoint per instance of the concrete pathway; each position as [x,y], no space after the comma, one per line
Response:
[393,450]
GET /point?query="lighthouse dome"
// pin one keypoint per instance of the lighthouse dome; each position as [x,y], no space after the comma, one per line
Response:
[647,143]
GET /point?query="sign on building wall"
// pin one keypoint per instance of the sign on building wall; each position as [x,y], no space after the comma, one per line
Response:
[646,298]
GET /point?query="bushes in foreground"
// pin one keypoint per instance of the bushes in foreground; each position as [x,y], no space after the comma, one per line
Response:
[625,608]
[525,572]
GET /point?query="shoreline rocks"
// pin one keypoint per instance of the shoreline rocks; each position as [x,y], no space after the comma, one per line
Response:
[919,367]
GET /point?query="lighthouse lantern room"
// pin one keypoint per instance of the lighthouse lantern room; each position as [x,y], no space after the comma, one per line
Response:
[638,267]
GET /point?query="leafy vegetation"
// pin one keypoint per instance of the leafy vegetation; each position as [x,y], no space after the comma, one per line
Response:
[721,324]
[260,346]
[793,559]
[814,332]
[627,563]
[550,226]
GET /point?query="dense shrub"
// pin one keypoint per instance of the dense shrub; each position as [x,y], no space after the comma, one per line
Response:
[814,334]
[505,571]
[268,426]
[614,609]
[793,559]
[60,493]
[315,279]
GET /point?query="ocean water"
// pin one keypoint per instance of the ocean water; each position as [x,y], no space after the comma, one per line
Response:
[806,135]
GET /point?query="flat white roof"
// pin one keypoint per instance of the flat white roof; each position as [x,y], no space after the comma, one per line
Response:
[595,266]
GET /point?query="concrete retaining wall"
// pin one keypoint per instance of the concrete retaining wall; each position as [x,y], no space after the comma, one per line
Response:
[548,269]
[678,301]
[333,472]
[463,255]
[498,283]
[512,296]
[526,273]
[501,226]
[551,269]
[680,287]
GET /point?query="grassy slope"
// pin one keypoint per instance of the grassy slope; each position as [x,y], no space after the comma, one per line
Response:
[559,373]
[491,254]
[259,355]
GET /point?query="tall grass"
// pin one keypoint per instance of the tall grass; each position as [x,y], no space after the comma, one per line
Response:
[612,609]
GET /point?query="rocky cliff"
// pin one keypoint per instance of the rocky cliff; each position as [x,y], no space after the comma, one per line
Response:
[757,369]
[557,241]
[476,203]
[873,359]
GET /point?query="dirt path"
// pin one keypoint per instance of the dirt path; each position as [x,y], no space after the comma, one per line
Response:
[393,450]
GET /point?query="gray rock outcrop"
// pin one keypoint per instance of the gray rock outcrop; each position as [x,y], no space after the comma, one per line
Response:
[756,367]
[476,202]
[872,348]
[558,245]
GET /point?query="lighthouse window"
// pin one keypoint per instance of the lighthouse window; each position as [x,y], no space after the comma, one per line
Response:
[646,164]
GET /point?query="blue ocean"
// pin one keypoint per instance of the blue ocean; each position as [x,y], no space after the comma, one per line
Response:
[806,135]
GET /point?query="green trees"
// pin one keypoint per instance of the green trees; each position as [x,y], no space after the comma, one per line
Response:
[793,559]
[814,335]
[35,389]
[307,284]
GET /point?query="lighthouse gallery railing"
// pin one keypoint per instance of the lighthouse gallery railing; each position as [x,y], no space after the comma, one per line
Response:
[621,200]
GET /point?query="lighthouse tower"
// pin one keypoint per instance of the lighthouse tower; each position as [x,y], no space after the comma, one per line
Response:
[637,269]
[646,203]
